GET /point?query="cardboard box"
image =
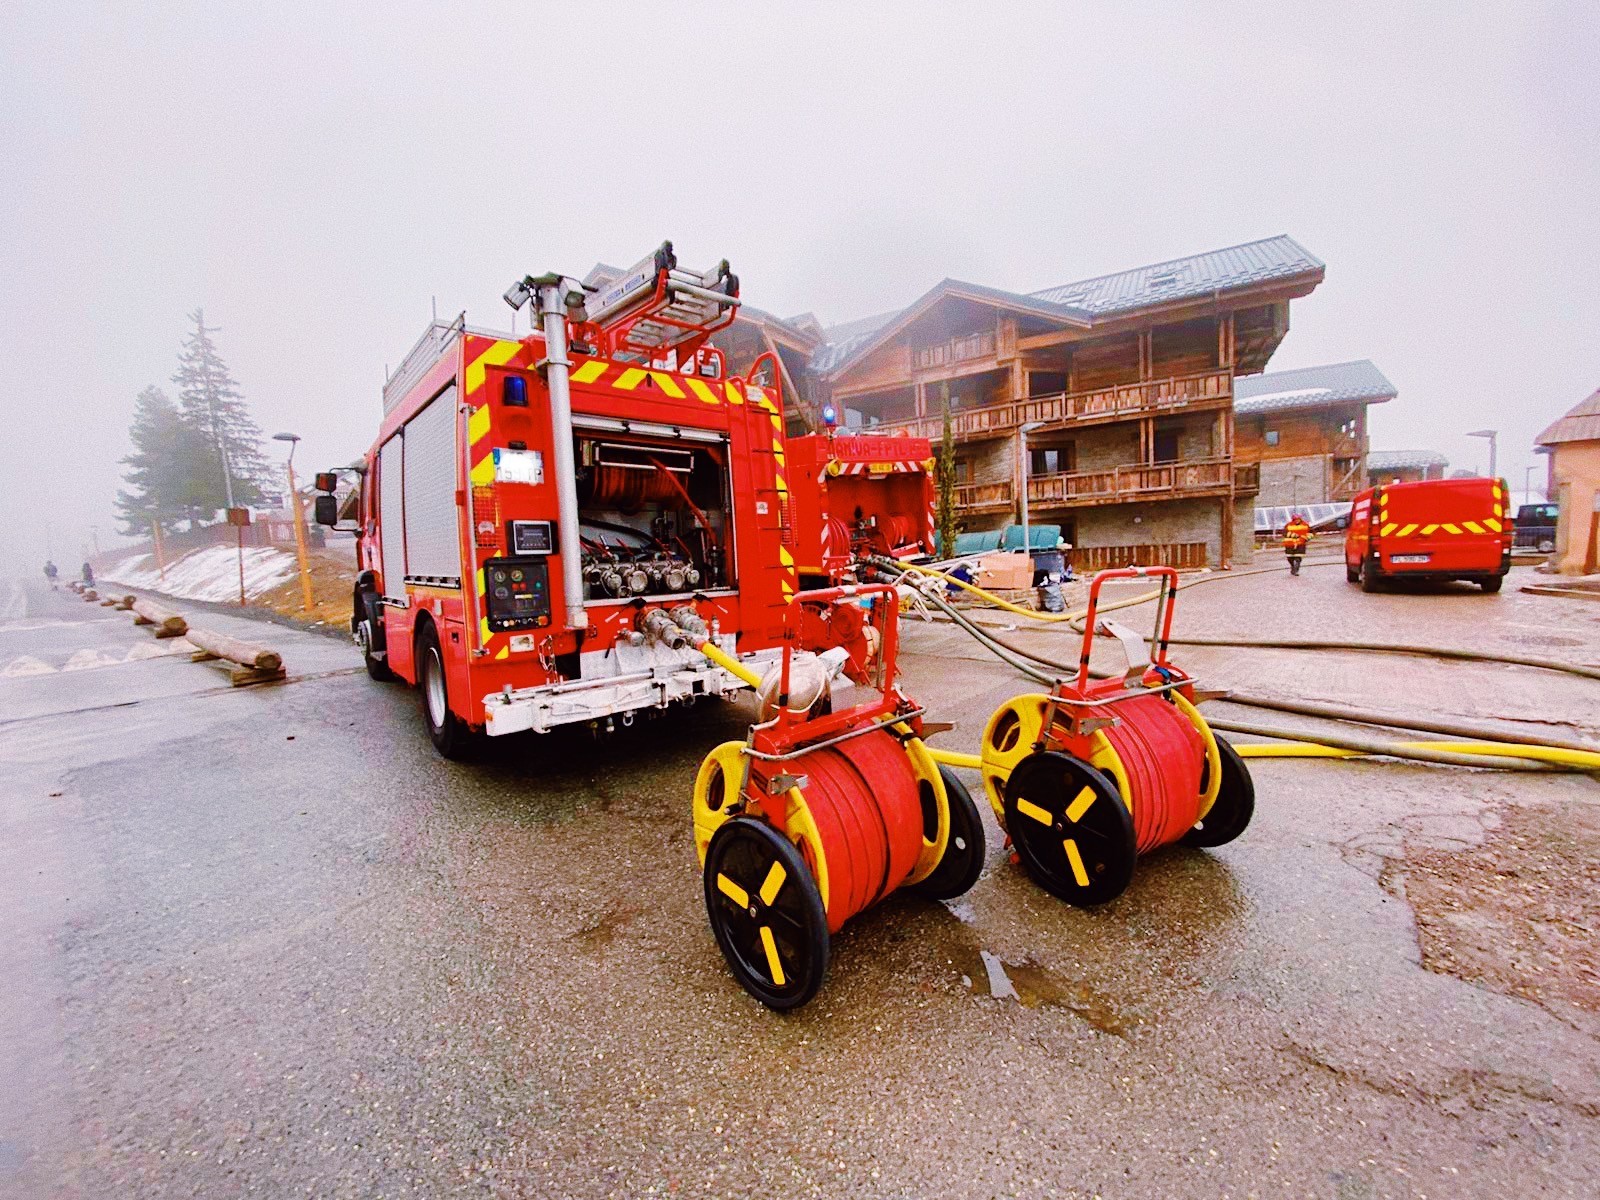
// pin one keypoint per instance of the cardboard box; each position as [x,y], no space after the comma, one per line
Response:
[1005,571]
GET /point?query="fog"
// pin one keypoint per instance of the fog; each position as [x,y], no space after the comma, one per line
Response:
[318,183]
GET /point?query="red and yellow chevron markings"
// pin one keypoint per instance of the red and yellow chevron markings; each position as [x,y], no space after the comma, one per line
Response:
[1494,523]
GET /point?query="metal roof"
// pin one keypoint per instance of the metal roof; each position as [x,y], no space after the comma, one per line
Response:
[1271,258]
[1080,303]
[1404,460]
[1312,387]
[1581,424]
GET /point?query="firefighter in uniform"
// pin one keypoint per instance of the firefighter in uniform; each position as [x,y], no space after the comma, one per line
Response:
[1295,536]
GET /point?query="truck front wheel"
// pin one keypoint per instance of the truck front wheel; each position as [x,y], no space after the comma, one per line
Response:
[449,734]
[369,635]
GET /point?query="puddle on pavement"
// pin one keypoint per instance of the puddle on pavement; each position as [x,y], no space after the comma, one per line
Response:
[600,932]
[1032,986]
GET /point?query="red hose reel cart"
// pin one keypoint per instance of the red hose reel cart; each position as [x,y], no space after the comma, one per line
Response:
[1094,774]
[818,815]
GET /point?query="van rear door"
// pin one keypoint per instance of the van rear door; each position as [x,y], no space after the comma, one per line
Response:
[1442,526]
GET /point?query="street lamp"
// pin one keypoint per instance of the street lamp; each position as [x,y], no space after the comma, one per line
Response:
[1491,434]
[1022,444]
[299,520]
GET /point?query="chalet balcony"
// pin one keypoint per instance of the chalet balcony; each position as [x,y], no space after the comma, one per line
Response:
[956,350]
[979,497]
[1152,398]
[1159,481]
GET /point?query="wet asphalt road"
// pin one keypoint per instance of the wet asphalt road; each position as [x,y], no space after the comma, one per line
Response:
[262,942]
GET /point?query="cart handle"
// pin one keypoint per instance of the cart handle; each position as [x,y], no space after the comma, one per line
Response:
[1165,598]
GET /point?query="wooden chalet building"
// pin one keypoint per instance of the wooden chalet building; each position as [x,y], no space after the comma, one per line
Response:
[1404,466]
[1121,389]
[1306,430]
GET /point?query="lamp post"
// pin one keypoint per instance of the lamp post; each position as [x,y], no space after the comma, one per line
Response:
[1492,435]
[1022,445]
[299,520]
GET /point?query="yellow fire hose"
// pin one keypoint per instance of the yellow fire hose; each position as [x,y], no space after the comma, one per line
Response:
[730,664]
[1584,760]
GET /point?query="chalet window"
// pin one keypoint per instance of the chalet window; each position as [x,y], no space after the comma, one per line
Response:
[1045,462]
[1272,437]
[1166,445]
[963,470]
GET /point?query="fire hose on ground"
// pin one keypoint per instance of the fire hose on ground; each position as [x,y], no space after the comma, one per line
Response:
[1489,749]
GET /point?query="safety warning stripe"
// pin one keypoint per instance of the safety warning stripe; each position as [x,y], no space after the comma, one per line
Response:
[758,397]
[1395,529]
[874,468]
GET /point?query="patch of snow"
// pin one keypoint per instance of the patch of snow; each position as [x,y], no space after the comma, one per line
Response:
[1291,394]
[209,573]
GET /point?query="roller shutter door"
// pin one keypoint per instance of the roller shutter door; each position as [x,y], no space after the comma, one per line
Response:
[433,538]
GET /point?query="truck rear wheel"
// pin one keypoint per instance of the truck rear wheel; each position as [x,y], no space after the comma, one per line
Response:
[1369,577]
[1492,584]
[449,734]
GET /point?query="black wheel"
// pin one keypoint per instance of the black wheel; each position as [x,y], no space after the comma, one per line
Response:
[1352,574]
[963,857]
[367,625]
[1236,802]
[766,913]
[1070,829]
[1492,584]
[450,735]
[1369,577]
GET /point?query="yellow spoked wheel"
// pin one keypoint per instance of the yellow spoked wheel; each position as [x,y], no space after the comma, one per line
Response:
[766,912]
[935,811]
[1013,731]
[717,790]
[1211,781]
[962,863]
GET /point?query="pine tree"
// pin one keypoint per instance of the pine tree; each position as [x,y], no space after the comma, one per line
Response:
[946,512]
[214,408]
[164,468]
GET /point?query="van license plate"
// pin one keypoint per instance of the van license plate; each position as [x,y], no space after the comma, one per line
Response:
[1408,558]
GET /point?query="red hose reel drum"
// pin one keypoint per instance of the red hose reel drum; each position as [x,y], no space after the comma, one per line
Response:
[815,819]
[1100,771]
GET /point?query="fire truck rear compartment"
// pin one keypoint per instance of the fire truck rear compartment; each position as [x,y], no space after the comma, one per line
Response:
[653,518]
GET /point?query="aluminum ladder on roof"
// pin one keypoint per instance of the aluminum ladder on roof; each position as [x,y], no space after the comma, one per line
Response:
[655,306]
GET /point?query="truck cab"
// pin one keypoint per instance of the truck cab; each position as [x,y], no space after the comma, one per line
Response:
[1434,529]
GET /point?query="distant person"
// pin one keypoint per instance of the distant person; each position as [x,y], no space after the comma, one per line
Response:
[88,575]
[1296,534]
[50,573]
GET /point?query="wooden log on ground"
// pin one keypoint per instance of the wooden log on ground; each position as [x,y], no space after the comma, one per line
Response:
[167,623]
[89,594]
[246,654]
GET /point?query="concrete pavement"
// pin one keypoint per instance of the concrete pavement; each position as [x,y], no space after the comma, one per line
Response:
[263,941]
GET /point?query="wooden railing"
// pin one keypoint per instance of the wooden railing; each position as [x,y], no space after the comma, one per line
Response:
[1134,482]
[1183,555]
[984,495]
[1151,398]
[976,345]
[1247,478]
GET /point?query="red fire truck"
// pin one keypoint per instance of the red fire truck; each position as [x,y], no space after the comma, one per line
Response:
[859,494]
[552,527]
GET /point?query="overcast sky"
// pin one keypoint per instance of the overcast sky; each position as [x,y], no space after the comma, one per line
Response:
[315,181]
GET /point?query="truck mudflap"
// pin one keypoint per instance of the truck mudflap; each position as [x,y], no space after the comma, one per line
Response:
[541,709]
